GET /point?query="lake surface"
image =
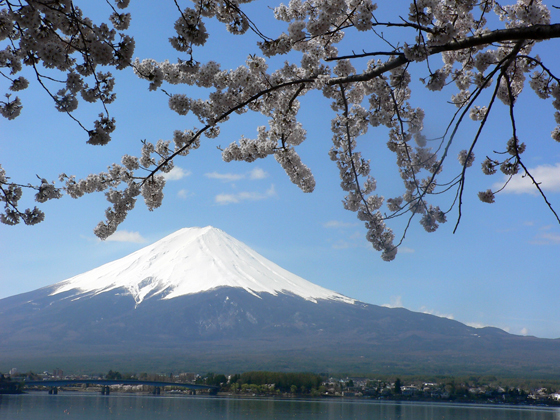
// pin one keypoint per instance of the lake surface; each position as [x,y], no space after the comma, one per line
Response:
[85,406]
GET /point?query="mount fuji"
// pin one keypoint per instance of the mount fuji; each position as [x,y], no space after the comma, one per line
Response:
[193,260]
[199,300]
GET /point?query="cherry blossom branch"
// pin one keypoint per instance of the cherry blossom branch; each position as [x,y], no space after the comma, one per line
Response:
[252,25]
[517,153]
[470,154]
[224,116]
[467,47]
[503,69]
[535,32]
[364,54]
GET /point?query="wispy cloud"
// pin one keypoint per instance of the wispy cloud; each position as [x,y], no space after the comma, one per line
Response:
[338,224]
[245,196]
[476,324]
[224,177]
[255,174]
[176,174]
[396,302]
[126,236]
[548,177]
[341,244]
[344,239]
[406,250]
[524,331]
[425,310]
[184,194]
[258,173]
[545,237]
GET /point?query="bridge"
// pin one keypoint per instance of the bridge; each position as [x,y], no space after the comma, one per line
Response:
[106,383]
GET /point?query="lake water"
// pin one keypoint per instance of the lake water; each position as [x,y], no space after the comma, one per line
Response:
[85,406]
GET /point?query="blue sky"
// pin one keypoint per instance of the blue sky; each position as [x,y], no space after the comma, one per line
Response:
[499,269]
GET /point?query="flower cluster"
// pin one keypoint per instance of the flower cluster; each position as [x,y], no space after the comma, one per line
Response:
[465,158]
[11,193]
[56,35]
[486,196]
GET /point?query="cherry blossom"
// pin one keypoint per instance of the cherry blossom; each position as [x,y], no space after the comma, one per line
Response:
[450,46]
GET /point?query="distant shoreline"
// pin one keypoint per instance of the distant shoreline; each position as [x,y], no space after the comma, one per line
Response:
[228,395]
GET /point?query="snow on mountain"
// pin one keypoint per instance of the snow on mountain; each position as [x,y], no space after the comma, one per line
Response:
[193,260]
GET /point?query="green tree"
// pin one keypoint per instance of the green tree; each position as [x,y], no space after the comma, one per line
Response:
[114,376]
[215,379]
[7,386]
[397,390]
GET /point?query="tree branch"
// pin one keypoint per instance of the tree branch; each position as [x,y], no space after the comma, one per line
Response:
[535,33]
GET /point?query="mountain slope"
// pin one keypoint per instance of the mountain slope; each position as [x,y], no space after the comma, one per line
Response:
[198,299]
[194,260]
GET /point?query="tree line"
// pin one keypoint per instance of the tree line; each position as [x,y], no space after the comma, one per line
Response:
[298,382]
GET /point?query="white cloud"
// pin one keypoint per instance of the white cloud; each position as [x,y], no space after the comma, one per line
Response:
[425,310]
[126,236]
[258,173]
[338,224]
[524,331]
[548,177]
[226,198]
[546,238]
[183,194]
[406,250]
[396,302]
[224,177]
[245,196]
[253,175]
[349,241]
[341,244]
[476,324]
[176,174]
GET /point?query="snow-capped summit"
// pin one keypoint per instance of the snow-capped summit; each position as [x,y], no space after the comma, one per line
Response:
[194,260]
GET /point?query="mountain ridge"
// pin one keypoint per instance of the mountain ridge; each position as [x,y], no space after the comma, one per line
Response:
[257,323]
